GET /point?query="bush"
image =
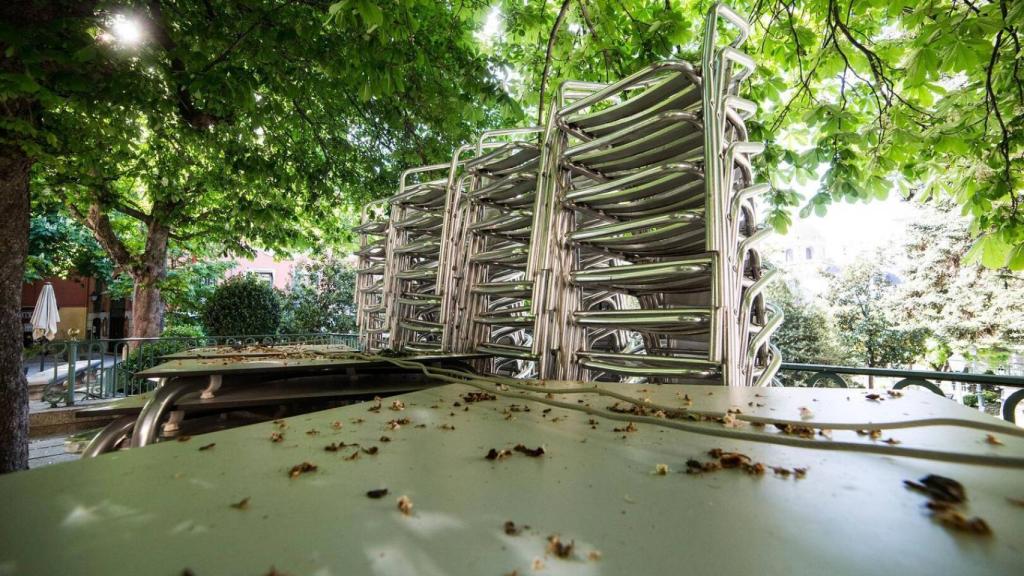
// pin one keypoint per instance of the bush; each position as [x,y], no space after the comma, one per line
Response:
[242,306]
[192,331]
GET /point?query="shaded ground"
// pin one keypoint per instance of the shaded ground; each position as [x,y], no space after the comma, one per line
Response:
[48,450]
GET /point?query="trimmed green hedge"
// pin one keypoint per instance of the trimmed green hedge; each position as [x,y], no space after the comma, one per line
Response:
[243,305]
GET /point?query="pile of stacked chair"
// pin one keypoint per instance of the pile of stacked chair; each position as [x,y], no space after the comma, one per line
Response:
[617,243]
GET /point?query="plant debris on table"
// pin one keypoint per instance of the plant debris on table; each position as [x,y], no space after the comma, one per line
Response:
[512,530]
[300,469]
[242,504]
[405,505]
[993,440]
[471,397]
[398,423]
[207,446]
[276,437]
[184,438]
[495,454]
[630,427]
[939,488]
[377,494]
[531,452]
[721,460]
[946,497]
[337,425]
[397,405]
[385,439]
[559,548]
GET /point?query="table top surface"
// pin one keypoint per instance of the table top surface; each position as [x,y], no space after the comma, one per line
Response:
[262,364]
[167,508]
[248,350]
[239,396]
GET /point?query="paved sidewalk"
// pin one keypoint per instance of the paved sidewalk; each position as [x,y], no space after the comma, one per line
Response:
[48,450]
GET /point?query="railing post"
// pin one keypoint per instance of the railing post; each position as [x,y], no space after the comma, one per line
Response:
[72,370]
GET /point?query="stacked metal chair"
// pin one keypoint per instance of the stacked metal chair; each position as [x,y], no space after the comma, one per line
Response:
[372,260]
[415,238]
[654,267]
[495,315]
[619,246]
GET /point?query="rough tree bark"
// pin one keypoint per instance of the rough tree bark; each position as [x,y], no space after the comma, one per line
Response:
[15,167]
[14,217]
[147,303]
[147,270]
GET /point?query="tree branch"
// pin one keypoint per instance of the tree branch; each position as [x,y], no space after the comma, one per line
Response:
[187,108]
[98,222]
[593,34]
[547,59]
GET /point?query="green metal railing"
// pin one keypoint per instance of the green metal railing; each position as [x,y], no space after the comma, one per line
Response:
[976,384]
[104,368]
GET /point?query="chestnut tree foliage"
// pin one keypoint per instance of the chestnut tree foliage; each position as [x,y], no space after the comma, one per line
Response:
[921,98]
[230,126]
[221,128]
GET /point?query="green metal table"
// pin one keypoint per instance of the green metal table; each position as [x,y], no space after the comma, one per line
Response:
[269,365]
[250,350]
[168,509]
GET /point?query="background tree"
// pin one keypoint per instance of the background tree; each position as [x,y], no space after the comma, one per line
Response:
[239,124]
[924,95]
[271,119]
[20,147]
[321,297]
[59,246]
[862,303]
[965,306]
[806,336]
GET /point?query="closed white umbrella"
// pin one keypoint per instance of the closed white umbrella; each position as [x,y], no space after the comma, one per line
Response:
[45,316]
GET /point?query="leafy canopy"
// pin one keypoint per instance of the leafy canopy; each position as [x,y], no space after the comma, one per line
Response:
[920,98]
[239,125]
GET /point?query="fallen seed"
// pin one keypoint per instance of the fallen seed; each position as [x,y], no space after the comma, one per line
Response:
[405,505]
[559,548]
[300,469]
[531,452]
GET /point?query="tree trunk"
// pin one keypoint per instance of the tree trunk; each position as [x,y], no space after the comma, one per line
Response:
[14,217]
[147,303]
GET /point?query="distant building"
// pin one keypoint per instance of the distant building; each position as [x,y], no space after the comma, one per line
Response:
[277,272]
[802,254]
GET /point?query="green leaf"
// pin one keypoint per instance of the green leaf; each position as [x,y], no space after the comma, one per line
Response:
[1016,258]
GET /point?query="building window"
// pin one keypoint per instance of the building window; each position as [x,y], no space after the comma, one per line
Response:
[266,276]
[789,255]
[809,252]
